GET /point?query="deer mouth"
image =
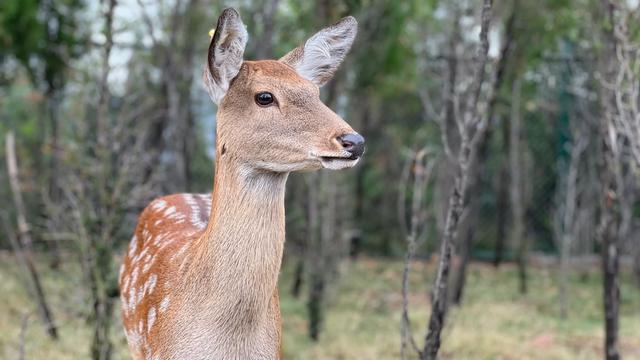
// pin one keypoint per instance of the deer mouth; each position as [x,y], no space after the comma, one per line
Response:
[338,162]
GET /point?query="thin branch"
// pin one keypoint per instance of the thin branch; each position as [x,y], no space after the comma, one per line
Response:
[466,152]
[423,168]
[23,248]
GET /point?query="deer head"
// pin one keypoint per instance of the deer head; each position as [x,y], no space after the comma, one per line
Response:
[270,116]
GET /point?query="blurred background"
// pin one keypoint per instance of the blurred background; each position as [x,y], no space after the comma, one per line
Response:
[102,109]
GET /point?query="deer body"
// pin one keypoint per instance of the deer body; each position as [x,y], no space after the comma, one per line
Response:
[199,279]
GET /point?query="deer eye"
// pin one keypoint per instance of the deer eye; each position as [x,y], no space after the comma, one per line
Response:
[264,98]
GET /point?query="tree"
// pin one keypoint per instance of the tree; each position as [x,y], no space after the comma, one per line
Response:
[24,248]
[618,129]
[44,37]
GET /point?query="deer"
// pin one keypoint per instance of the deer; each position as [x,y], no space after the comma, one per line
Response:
[199,279]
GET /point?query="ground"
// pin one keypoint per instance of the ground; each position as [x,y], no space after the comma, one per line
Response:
[363,315]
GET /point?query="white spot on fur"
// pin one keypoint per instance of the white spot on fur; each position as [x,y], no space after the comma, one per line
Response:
[159,205]
[121,273]
[170,211]
[206,198]
[151,318]
[160,239]
[145,233]
[133,245]
[194,211]
[134,339]
[123,300]
[134,276]
[180,252]
[164,304]
[152,282]
[140,256]
[132,299]
[141,292]
[148,264]
[125,283]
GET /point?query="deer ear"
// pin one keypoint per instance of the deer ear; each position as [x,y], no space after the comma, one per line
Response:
[225,54]
[319,57]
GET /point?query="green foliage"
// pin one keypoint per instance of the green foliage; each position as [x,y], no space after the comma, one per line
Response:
[43,36]
[19,106]
[21,32]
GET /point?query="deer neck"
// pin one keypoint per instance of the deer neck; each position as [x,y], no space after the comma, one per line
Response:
[238,258]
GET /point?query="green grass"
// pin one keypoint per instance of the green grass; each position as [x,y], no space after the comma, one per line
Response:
[363,316]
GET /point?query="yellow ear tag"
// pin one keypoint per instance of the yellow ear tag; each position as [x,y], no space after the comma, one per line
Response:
[211,32]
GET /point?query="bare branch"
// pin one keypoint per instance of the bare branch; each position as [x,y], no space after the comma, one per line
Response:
[23,249]
[423,167]
[466,152]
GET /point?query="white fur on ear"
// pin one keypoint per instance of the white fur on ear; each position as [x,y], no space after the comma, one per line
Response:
[225,54]
[318,59]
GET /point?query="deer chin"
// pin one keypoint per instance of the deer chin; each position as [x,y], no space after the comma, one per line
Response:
[280,168]
[337,163]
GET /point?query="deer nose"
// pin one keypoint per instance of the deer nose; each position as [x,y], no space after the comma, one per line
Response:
[353,143]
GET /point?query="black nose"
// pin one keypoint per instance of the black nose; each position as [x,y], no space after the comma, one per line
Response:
[353,143]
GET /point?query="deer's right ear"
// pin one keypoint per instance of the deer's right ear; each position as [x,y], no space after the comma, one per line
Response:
[225,54]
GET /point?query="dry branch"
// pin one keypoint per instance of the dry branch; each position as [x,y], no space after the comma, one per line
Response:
[23,248]
[23,332]
[567,219]
[423,168]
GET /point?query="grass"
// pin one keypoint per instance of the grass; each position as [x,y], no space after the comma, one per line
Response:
[362,321]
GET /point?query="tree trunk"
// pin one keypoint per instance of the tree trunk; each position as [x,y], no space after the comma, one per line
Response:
[101,347]
[314,305]
[611,187]
[461,273]
[476,183]
[24,249]
[298,237]
[298,275]
[440,288]
[502,214]
[611,293]
[316,277]
[503,180]
[97,253]
[54,188]
[517,205]
[636,262]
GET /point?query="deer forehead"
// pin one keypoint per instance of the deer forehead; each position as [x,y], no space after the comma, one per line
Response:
[274,76]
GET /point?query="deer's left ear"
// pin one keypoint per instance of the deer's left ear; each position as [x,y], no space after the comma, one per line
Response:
[319,57]
[225,54]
